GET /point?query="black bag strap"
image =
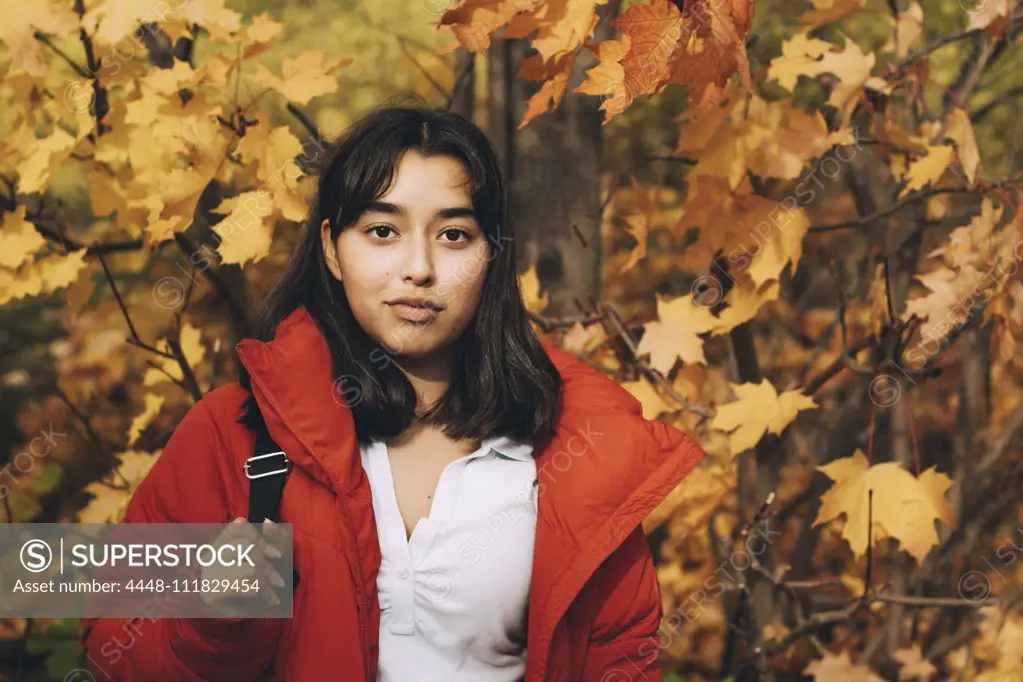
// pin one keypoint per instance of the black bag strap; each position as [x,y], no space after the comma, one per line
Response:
[267,471]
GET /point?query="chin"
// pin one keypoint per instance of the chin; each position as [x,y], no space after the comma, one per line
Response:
[414,348]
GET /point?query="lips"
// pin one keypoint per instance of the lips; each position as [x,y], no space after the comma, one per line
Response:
[414,309]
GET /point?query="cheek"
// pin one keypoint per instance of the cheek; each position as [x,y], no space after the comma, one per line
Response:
[463,282]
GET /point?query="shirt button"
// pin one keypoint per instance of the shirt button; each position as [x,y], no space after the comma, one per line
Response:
[403,574]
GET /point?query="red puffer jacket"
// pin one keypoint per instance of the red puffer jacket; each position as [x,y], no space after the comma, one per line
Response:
[594,604]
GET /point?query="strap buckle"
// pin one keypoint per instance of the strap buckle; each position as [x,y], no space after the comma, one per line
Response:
[285,469]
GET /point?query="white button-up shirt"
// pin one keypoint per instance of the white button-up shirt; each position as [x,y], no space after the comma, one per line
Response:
[453,597]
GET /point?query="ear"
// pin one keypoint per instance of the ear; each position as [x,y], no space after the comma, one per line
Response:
[329,250]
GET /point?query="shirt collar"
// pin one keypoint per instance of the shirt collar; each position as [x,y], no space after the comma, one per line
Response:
[509,447]
[502,445]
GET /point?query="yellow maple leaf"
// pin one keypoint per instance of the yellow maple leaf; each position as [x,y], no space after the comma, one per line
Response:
[303,77]
[800,56]
[563,27]
[960,129]
[902,506]
[607,79]
[554,85]
[805,56]
[18,28]
[19,237]
[474,21]
[928,169]
[34,170]
[839,668]
[245,234]
[913,665]
[948,302]
[758,409]
[43,276]
[652,401]
[974,243]
[676,333]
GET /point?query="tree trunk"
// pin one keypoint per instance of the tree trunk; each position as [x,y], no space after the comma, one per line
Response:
[553,171]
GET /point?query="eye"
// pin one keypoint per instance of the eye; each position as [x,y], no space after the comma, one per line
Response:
[457,231]
[377,228]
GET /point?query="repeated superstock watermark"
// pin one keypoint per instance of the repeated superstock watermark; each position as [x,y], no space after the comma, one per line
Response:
[976,585]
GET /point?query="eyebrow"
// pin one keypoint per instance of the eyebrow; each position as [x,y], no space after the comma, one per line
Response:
[397,209]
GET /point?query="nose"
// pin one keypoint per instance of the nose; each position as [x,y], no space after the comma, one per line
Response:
[417,264]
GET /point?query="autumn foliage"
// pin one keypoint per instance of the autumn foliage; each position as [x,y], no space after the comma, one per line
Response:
[819,281]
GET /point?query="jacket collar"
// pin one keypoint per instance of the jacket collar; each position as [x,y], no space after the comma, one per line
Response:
[292,376]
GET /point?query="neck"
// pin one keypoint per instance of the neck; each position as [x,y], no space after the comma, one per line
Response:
[429,375]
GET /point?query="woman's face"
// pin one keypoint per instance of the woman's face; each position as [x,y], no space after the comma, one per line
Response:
[413,264]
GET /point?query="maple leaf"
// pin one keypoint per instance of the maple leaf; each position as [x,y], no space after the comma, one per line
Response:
[903,507]
[712,49]
[34,170]
[771,139]
[245,234]
[693,501]
[805,56]
[254,39]
[18,28]
[913,665]
[801,55]
[948,303]
[960,129]
[758,409]
[676,333]
[43,276]
[474,21]
[756,235]
[989,14]
[974,243]
[653,31]
[20,239]
[579,339]
[839,668]
[654,404]
[607,78]
[555,81]
[303,77]
[908,26]
[928,169]
[564,26]
[113,20]
[640,222]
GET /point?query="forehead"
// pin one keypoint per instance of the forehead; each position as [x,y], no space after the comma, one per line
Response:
[429,180]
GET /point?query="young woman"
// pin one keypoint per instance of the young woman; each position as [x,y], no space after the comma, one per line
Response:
[466,501]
